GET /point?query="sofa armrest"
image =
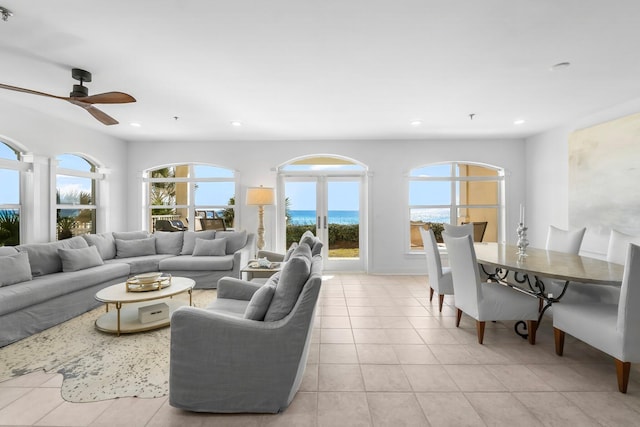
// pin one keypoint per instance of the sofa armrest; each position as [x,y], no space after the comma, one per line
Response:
[271,256]
[242,256]
[232,288]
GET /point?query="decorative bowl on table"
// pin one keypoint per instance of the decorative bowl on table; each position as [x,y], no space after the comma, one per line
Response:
[148,278]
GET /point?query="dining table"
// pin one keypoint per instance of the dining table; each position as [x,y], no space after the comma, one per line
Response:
[529,272]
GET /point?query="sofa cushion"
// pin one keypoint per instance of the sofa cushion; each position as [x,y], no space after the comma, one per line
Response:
[15,268]
[104,242]
[130,235]
[137,247]
[236,240]
[142,264]
[291,280]
[79,259]
[197,263]
[8,250]
[168,242]
[45,288]
[232,307]
[206,247]
[189,239]
[44,258]
[312,241]
[259,303]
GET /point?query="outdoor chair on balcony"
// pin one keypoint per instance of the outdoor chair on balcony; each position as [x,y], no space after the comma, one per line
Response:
[170,225]
[213,224]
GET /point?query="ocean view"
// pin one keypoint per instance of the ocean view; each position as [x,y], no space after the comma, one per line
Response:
[308,217]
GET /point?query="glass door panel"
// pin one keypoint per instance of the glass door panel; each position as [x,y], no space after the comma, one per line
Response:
[300,208]
[343,212]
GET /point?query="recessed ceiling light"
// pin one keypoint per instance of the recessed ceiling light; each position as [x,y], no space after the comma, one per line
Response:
[416,123]
[518,122]
[560,66]
[236,123]
[135,124]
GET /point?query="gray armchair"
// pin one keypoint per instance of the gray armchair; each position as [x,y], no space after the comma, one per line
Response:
[223,362]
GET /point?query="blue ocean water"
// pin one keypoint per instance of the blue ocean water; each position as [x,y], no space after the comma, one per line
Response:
[307,217]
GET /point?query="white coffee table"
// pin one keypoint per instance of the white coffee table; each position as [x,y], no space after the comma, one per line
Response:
[125,319]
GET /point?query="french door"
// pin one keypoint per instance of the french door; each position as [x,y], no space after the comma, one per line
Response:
[331,206]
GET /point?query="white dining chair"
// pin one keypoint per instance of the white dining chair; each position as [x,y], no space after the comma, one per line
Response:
[440,280]
[485,301]
[567,241]
[459,230]
[611,328]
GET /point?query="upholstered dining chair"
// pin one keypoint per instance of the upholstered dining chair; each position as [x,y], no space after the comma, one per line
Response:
[611,328]
[485,301]
[567,241]
[440,279]
[459,230]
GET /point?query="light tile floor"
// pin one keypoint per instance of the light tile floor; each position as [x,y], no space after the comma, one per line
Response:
[382,355]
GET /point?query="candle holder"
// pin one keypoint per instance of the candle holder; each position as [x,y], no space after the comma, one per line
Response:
[522,240]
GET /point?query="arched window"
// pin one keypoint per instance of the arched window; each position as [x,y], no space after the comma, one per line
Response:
[10,204]
[75,196]
[198,194]
[455,193]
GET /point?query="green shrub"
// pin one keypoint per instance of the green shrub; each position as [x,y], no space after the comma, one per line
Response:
[344,235]
[437,228]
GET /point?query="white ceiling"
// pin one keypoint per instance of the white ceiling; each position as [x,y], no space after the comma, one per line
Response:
[325,69]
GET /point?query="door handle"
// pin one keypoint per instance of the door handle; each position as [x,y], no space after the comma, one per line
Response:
[325,221]
[319,224]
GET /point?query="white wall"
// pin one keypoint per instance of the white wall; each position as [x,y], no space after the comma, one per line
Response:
[388,161]
[547,178]
[46,138]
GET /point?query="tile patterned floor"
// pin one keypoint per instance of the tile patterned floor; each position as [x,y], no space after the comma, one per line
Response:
[382,355]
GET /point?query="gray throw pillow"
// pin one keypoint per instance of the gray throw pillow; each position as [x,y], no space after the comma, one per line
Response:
[214,247]
[259,303]
[316,249]
[168,242]
[189,239]
[292,248]
[104,242]
[15,269]
[44,258]
[235,239]
[293,276]
[79,259]
[138,247]
[130,235]
[8,250]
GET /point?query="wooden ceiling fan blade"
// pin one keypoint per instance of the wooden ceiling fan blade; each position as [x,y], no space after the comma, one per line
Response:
[101,116]
[32,92]
[108,98]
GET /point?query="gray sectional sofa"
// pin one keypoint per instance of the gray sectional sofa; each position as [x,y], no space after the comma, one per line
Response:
[44,284]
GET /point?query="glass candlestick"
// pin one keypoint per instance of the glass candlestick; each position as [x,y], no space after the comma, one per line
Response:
[522,240]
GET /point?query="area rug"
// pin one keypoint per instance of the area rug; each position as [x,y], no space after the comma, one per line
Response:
[95,365]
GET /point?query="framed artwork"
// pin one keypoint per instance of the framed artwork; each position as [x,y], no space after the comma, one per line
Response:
[604,176]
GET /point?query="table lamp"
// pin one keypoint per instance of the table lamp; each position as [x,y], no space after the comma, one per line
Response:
[260,196]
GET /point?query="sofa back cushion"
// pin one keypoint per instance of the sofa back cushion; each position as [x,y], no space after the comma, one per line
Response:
[189,240]
[312,241]
[136,247]
[236,240]
[44,258]
[79,259]
[15,268]
[130,235]
[259,303]
[206,247]
[104,242]
[168,242]
[291,280]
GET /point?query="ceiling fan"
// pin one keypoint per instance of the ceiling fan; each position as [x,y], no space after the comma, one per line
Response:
[80,96]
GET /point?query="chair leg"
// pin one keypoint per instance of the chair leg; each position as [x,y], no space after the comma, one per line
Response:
[440,301]
[458,316]
[622,370]
[532,327]
[430,294]
[558,336]
[480,329]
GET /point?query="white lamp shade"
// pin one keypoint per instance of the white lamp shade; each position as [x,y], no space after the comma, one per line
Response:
[260,196]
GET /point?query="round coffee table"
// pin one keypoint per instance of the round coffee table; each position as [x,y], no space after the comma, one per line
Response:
[125,319]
